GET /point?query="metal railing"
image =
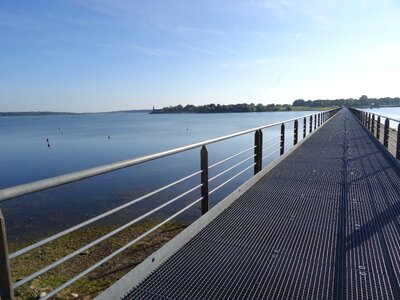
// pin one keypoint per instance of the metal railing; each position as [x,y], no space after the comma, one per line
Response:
[379,126]
[258,154]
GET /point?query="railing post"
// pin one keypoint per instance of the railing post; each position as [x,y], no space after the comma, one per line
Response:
[261,149]
[369,122]
[304,127]
[319,119]
[296,132]
[386,134]
[310,123]
[373,123]
[204,179]
[315,121]
[6,291]
[398,142]
[282,138]
[378,128]
[257,151]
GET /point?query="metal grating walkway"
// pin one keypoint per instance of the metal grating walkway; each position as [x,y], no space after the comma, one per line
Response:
[323,224]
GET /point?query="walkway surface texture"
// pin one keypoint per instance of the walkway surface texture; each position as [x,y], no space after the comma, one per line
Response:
[323,224]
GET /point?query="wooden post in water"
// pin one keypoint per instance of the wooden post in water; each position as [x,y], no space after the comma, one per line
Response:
[204,180]
[6,291]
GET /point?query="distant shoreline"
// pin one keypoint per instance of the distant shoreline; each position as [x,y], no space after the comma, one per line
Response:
[52,113]
[161,111]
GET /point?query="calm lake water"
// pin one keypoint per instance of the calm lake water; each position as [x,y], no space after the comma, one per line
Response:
[81,141]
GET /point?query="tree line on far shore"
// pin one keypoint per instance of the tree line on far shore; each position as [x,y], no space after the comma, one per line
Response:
[218,108]
[363,101]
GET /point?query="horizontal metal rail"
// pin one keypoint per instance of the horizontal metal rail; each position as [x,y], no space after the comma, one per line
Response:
[94,219]
[99,240]
[231,168]
[230,179]
[388,136]
[230,157]
[272,146]
[270,153]
[382,116]
[28,188]
[123,248]
[289,137]
[271,139]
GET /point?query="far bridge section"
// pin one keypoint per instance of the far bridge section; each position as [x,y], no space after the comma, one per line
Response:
[323,223]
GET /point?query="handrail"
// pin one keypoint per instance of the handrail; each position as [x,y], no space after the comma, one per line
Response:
[377,128]
[24,189]
[231,168]
[98,217]
[230,157]
[123,248]
[29,188]
[97,241]
[383,116]
[230,179]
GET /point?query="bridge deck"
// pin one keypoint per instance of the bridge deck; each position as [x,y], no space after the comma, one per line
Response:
[323,224]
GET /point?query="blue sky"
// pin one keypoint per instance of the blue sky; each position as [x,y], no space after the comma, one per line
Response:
[98,55]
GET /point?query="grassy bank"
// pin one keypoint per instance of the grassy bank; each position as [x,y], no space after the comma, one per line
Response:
[101,278]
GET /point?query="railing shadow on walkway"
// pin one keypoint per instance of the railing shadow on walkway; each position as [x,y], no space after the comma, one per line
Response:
[382,219]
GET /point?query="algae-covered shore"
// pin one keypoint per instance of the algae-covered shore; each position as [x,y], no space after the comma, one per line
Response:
[101,278]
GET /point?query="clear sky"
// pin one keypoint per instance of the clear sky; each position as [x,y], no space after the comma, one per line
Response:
[102,55]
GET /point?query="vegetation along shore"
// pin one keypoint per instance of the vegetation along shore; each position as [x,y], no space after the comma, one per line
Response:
[298,105]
